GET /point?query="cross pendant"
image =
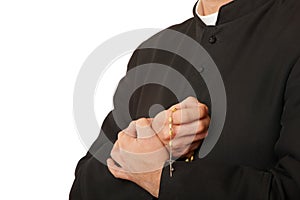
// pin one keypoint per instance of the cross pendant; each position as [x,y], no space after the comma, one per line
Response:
[171,167]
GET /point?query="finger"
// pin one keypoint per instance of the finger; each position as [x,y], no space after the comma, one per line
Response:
[192,128]
[160,120]
[133,145]
[189,115]
[197,129]
[165,136]
[186,150]
[178,143]
[116,155]
[189,129]
[187,103]
[116,171]
[124,138]
[144,129]
[140,145]
[131,129]
[180,116]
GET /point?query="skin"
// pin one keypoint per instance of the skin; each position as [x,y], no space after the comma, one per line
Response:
[191,115]
[132,169]
[141,150]
[190,124]
[208,7]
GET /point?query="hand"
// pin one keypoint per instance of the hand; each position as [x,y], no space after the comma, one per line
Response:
[140,155]
[190,126]
[140,149]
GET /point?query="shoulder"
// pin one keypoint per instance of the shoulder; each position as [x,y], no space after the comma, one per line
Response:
[149,50]
[183,27]
[186,27]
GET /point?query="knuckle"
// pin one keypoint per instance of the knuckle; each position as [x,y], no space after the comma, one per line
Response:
[120,135]
[164,119]
[205,125]
[202,135]
[116,173]
[142,121]
[188,115]
[175,129]
[192,99]
[205,134]
[201,126]
[176,146]
[202,110]
[176,116]
[158,129]
[182,116]
[113,155]
[161,118]
[185,151]
[156,125]
[177,154]
[166,136]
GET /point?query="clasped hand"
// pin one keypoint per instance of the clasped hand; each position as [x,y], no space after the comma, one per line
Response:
[142,149]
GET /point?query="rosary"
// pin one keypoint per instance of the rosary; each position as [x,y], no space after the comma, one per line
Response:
[171,161]
[190,158]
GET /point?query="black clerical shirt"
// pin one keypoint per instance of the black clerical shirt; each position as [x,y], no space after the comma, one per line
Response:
[256,47]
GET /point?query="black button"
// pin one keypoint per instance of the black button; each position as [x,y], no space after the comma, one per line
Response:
[212,39]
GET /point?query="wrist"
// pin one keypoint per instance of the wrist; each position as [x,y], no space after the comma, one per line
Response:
[152,182]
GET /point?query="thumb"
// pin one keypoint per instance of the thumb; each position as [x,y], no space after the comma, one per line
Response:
[144,129]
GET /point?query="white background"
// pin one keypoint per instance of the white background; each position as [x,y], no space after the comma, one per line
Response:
[42,47]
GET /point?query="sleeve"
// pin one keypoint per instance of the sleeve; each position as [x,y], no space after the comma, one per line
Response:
[211,180]
[92,178]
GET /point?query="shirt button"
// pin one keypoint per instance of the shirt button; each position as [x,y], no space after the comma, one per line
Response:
[212,39]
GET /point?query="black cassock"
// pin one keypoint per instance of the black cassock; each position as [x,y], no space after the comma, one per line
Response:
[256,48]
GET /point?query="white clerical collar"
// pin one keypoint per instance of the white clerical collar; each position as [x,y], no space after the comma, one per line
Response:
[209,20]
